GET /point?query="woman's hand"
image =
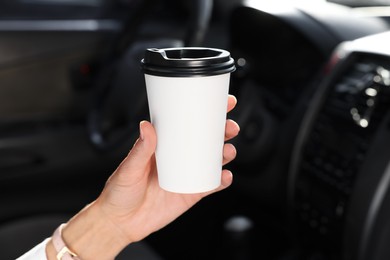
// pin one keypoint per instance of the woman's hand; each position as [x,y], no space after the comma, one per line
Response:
[132,204]
[133,198]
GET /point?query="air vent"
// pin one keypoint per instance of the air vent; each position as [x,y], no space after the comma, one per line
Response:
[337,145]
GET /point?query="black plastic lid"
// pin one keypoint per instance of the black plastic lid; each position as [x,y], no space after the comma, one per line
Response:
[187,62]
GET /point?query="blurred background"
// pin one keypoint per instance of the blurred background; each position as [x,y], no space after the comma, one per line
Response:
[72,95]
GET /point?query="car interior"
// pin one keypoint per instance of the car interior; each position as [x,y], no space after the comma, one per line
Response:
[312,80]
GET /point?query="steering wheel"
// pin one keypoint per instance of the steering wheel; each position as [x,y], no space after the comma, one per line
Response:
[119,68]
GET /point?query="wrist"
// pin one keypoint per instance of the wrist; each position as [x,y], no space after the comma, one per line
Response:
[91,236]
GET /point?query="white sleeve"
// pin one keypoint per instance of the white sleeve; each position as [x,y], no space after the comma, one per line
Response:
[36,253]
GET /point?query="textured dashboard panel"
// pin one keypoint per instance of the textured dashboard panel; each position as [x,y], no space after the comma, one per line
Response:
[339,160]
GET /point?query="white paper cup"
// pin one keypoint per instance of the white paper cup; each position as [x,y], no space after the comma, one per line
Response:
[187,91]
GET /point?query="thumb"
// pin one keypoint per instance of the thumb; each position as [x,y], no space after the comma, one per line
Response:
[140,155]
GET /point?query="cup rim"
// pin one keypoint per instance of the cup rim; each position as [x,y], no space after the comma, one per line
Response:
[187,62]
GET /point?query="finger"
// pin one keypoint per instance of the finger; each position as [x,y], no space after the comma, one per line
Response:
[232,101]
[139,157]
[229,153]
[226,181]
[231,129]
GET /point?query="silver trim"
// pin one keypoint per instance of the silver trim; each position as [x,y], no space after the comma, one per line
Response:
[60,25]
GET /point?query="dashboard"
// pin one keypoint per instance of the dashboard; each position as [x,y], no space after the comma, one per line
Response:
[282,56]
[323,127]
[339,176]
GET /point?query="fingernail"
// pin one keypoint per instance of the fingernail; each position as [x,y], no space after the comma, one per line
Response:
[141,134]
